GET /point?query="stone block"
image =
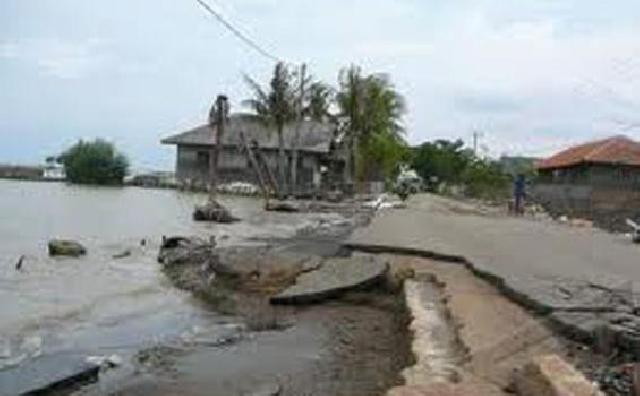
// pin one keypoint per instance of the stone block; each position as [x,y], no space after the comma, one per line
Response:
[550,375]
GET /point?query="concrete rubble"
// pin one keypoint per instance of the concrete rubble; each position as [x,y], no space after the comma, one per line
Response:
[66,247]
[213,211]
[335,276]
[552,376]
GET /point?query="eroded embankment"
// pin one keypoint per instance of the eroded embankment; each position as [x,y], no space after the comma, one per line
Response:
[490,338]
[355,343]
[598,313]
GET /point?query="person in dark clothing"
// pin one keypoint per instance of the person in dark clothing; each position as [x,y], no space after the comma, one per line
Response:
[519,194]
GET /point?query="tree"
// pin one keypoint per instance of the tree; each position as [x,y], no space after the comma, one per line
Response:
[275,108]
[373,132]
[320,100]
[382,144]
[451,163]
[95,162]
[485,179]
[350,102]
[313,102]
[443,159]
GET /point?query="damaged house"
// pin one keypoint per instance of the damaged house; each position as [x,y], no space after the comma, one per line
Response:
[316,158]
[598,180]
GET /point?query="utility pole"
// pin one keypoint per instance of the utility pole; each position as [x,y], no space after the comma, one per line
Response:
[217,120]
[476,136]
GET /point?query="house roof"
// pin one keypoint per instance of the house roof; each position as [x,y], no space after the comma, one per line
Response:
[618,150]
[314,136]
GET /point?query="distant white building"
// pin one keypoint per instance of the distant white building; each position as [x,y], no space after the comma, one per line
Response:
[53,170]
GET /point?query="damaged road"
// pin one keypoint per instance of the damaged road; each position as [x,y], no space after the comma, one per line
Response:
[584,281]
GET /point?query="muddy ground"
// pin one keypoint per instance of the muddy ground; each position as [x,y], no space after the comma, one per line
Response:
[356,345]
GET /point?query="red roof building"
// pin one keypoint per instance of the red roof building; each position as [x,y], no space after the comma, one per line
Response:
[616,150]
[598,180]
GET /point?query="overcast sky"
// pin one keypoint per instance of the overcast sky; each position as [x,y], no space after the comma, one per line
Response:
[531,75]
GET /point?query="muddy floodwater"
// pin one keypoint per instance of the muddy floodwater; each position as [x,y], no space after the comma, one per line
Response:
[99,305]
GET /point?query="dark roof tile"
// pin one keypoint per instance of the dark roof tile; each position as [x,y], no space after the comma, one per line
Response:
[314,136]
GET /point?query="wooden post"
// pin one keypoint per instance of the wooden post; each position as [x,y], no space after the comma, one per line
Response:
[256,168]
[217,119]
[262,162]
[295,142]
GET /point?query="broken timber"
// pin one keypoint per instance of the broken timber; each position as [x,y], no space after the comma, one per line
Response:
[255,165]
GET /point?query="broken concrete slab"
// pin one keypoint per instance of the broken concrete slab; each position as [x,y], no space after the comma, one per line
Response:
[334,277]
[552,376]
[620,328]
[46,374]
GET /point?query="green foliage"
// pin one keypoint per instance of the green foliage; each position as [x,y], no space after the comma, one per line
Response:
[443,159]
[318,102]
[276,106]
[94,162]
[485,179]
[452,164]
[370,114]
[373,132]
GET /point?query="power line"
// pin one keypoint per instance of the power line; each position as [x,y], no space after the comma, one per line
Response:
[237,32]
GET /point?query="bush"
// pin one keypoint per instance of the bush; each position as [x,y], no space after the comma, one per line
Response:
[94,162]
[484,179]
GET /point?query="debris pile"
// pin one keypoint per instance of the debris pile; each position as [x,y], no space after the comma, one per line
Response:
[213,211]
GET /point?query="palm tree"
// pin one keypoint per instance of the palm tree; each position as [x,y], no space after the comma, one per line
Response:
[312,103]
[350,99]
[320,100]
[373,110]
[275,108]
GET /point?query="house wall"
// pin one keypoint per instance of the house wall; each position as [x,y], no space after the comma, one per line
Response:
[606,194]
[192,166]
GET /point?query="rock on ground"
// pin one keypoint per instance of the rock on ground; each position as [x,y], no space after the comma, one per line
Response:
[66,247]
[213,211]
[445,389]
[552,376]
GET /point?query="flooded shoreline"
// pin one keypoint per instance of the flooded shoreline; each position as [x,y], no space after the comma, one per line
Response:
[98,305]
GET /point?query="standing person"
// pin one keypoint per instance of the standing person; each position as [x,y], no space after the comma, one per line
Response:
[519,194]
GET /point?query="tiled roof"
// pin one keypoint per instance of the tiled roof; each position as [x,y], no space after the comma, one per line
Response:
[314,136]
[614,150]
